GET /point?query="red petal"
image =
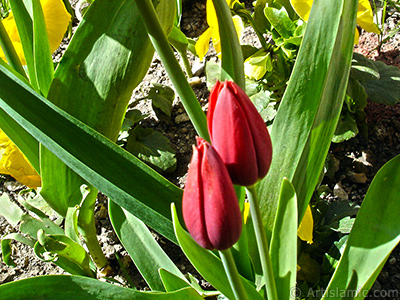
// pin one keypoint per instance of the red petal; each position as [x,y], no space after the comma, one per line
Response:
[221,209]
[259,131]
[193,204]
[232,138]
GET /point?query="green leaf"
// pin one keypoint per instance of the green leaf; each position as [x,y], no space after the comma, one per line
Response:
[344,225]
[161,97]
[64,287]
[346,128]
[171,281]
[307,116]
[261,101]
[142,248]
[41,49]
[280,21]
[375,233]
[9,51]
[213,73]
[284,242]
[71,224]
[153,148]
[208,264]
[386,89]
[64,252]
[146,194]
[363,69]
[331,259]
[96,85]
[357,97]
[31,226]
[6,249]
[178,39]
[22,12]
[260,21]
[10,210]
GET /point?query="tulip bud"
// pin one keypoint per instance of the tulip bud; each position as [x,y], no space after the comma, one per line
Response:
[238,133]
[210,206]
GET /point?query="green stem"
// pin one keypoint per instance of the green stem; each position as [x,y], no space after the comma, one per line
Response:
[9,51]
[262,244]
[172,67]
[186,63]
[87,227]
[232,56]
[245,14]
[233,275]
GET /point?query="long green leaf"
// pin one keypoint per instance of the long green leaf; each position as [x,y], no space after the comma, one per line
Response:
[208,264]
[307,117]
[23,19]
[41,49]
[64,287]
[284,242]
[121,176]
[374,235]
[107,58]
[142,248]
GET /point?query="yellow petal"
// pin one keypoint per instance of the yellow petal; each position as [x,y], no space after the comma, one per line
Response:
[246,211]
[365,17]
[14,163]
[238,23]
[305,231]
[57,19]
[356,37]
[302,8]
[212,20]
[203,43]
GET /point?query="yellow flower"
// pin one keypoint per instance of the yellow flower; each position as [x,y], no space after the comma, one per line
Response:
[14,163]
[305,231]
[212,32]
[57,19]
[365,18]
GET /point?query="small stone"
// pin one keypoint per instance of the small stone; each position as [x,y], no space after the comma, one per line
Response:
[360,167]
[195,81]
[181,118]
[357,177]
[339,192]
[13,186]
[198,67]
[392,261]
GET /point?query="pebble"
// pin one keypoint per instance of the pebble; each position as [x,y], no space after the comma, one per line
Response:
[181,118]
[357,177]
[340,192]
[195,81]
[13,186]
[198,67]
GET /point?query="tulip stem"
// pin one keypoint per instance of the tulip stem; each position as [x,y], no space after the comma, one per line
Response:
[172,67]
[262,244]
[233,275]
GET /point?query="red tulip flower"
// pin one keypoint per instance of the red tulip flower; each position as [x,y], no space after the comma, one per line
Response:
[238,133]
[210,206]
